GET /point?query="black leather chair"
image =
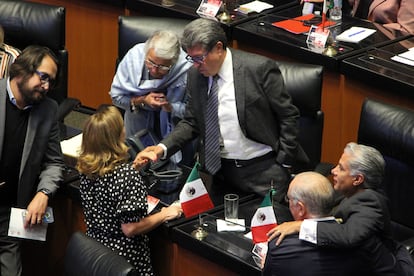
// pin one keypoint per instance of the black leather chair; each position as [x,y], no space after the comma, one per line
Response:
[304,84]
[137,29]
[85,256]
[390,129]
[27,23]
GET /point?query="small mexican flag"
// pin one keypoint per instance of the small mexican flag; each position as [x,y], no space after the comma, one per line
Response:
[263,220]
[194,197]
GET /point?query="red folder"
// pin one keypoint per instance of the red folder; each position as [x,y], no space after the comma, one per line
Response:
[295,25]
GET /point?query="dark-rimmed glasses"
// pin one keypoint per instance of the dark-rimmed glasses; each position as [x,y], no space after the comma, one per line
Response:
[45,79]
[160,67]
[197,59]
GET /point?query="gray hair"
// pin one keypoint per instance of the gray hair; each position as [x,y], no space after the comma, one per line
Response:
[165,44]
[315,191]
[203,32]
[367,161]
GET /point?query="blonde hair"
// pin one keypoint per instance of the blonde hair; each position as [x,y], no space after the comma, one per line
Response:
[103,143]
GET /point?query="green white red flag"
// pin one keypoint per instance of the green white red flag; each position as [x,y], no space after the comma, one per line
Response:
[263,220]
[194,197]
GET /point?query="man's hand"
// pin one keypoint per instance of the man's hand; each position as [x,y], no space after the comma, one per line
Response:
[149,154]
[36,209]
[156,100]
[283,230]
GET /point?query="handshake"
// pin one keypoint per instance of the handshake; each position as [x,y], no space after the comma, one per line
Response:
[147,155]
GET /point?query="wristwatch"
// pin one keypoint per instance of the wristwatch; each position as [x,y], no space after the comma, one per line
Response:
[46,192]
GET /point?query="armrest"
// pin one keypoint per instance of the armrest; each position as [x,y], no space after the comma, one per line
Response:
[409,244]
[66,106]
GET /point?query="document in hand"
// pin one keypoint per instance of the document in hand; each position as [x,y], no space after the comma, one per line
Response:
[355,34]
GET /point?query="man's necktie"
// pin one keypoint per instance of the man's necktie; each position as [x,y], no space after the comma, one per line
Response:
[212,135]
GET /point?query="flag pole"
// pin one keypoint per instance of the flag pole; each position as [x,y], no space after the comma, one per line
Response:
[324,11]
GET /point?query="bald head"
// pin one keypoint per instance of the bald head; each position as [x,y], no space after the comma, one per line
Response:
[311,195]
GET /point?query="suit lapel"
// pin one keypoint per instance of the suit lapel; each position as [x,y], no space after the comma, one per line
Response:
[239,80]
[3,98]
[32,127]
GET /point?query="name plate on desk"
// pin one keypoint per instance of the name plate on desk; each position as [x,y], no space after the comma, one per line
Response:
[317,38]
[209,8]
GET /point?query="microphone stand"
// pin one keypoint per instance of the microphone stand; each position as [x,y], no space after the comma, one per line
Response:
[199,233]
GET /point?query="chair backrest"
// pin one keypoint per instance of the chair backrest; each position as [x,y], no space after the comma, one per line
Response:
[390,129]
[27,23]
[137,29]
[304,84]
[85,256]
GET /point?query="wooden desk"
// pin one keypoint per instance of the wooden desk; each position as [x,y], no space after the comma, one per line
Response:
[230,250]
[188,9]
[340,106]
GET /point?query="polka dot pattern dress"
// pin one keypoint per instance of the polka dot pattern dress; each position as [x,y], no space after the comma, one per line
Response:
[118,197]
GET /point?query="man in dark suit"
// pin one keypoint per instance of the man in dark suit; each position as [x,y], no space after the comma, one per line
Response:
[311,196]
[257,122]
[363,212]
[31,160]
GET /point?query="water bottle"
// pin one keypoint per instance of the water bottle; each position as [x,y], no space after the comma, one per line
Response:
[336,11]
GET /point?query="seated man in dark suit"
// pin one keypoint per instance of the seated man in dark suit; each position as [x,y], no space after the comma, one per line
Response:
[311,196]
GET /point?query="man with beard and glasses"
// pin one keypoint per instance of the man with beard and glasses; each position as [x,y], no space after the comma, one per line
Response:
[31,161]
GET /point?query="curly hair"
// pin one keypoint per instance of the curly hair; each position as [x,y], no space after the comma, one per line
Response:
[103,143]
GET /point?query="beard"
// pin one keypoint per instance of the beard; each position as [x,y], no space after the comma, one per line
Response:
[31,96]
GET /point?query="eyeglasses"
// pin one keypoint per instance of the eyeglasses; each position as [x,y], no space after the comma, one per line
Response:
[161,68]
[46,79]
[197,59]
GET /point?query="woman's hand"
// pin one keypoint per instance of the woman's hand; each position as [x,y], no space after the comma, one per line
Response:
[149,154]
[172,212]
[283,230]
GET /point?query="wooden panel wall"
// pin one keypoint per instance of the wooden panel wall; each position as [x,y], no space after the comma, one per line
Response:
[92,43]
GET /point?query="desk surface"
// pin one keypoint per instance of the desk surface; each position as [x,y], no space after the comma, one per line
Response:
[376,66]
[263,33]
[229,249]
[188,9]
[232,250]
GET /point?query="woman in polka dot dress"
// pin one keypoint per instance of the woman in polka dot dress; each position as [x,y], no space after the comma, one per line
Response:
[114,196]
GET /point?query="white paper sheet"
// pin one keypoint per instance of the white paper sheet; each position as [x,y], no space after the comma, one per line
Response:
[71,147]
[355,34]
[223,225]
[16,227]
[254,6]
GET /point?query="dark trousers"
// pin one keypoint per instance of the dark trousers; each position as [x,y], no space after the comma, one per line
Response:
[10,257]
[254,176]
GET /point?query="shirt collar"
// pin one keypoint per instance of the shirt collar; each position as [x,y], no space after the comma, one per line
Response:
[11,96]
[225,72]
[331,218]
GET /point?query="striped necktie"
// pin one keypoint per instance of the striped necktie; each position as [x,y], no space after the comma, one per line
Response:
[212,135]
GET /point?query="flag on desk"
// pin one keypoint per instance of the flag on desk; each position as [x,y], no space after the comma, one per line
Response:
[263,220]
[194,197]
